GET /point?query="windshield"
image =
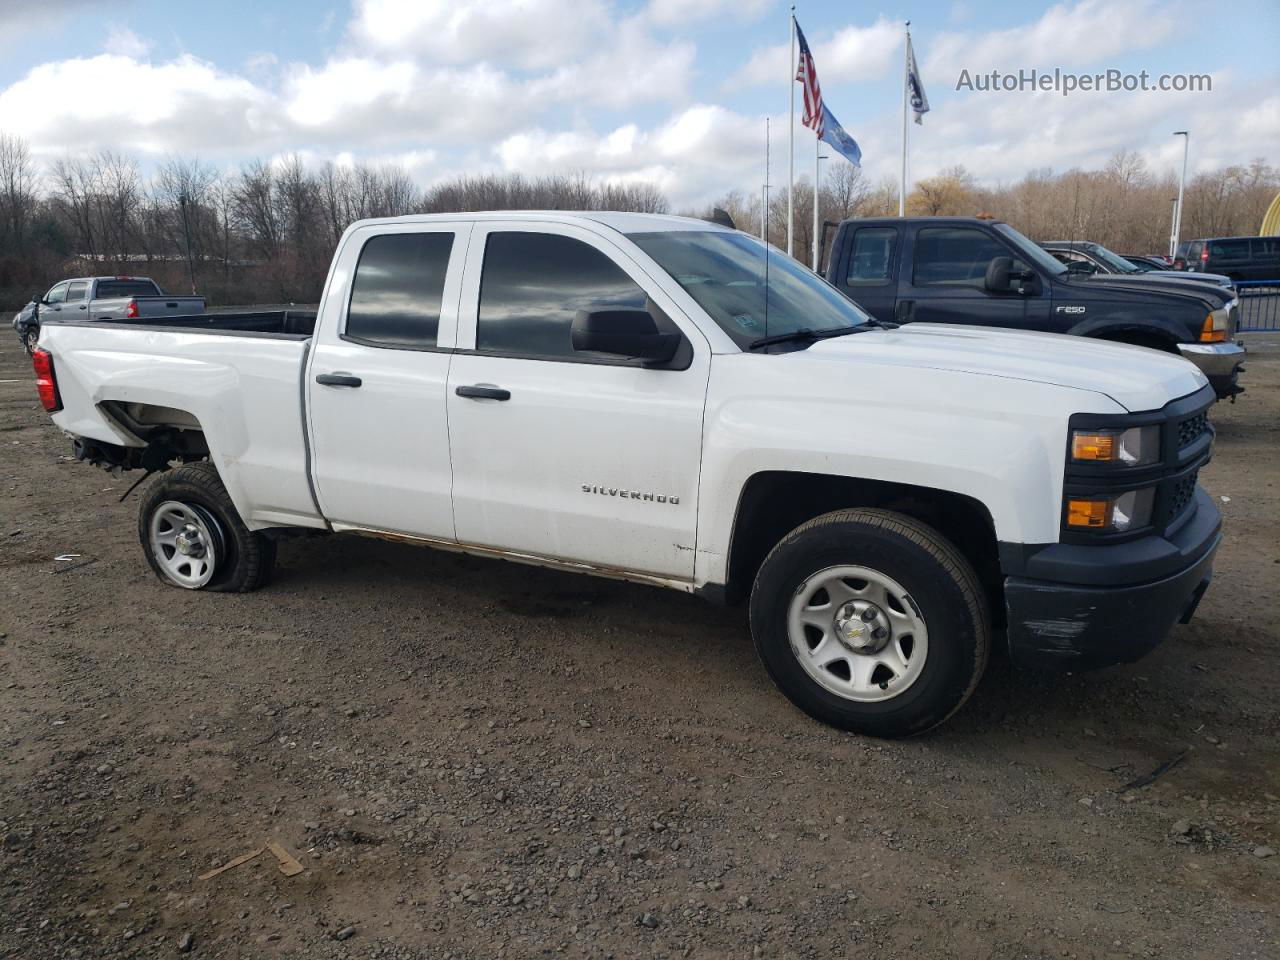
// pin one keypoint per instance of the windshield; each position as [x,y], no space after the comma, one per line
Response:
[1113,260]
[749,297]
[1038,256]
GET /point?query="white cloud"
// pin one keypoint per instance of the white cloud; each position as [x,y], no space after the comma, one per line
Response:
[850,55]
[1070,34]
[632,68]
[398,101]
[113,100]
[1003,136]
[524,33]
[669,13]
[123,41]
[697,154]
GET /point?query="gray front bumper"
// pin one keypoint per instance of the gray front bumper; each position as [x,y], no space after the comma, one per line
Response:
[1220,362]
[1214,359]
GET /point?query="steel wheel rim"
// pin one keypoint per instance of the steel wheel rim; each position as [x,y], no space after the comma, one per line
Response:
[186,542]
[832,622]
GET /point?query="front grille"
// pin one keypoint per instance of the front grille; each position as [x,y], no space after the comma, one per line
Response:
[1190,429]
[1180,496]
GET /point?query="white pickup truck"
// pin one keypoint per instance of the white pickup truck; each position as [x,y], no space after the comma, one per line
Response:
[667,401]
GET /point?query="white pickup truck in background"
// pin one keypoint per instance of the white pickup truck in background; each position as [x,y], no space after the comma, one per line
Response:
[101,298]
[670,402]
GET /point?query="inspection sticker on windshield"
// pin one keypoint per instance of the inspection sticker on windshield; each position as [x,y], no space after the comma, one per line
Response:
[745,321]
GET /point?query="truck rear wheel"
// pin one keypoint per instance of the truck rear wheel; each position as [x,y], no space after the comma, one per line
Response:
[194,538]
[871,621]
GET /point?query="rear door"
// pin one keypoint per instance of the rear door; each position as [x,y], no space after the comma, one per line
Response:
[376,383]
[869,269]
[1264,259]
[1231,257]
[571,456]
[944,279]
[77,304]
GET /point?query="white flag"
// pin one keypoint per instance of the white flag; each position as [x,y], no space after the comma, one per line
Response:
[915,89]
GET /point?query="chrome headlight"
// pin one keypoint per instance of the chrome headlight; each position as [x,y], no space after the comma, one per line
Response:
[1112,514]
[1134,447]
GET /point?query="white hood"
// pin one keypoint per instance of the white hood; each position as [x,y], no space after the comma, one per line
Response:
[1137,378]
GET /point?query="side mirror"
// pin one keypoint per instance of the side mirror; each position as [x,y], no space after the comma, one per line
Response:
[1003,278]
[999,274]
[623,332]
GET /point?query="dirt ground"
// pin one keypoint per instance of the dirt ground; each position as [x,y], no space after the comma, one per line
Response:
[480,760]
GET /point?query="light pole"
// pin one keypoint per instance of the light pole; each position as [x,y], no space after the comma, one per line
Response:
[1173,221]
[817,220]
[1182,185]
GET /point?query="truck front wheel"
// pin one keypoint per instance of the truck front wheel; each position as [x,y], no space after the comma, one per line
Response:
[193,536]
[871,621]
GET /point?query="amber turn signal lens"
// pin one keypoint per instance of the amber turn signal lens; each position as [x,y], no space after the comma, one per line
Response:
[1090,514]
[1211,332]
[1093,446]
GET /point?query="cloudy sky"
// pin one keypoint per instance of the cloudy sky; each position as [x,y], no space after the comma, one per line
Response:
[673,91]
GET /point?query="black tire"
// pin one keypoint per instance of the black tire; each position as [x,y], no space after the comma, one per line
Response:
[246,559]
[942,586]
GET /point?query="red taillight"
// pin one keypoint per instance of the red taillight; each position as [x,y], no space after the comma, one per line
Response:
[131,311]
[1204,254]
[46,383]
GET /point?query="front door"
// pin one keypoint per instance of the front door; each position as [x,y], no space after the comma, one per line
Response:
[376,381]
[947,280]
[578,457]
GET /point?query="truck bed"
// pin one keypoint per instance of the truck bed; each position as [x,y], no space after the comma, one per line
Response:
[236,378]
[284,324]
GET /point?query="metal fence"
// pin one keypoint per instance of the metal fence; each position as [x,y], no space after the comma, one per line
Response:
[1259,305]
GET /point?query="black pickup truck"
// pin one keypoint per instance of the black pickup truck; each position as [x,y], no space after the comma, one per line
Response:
[984,272]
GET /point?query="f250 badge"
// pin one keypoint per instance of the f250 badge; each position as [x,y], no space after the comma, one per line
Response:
[629,494]
[1071,310]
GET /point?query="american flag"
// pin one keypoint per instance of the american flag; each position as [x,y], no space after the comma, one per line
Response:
[807,74]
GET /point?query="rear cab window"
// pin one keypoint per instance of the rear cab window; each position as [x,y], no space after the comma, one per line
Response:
[397,290]
[871,258]
[108,289]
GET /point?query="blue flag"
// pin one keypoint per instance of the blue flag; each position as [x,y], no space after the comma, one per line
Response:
[835,135]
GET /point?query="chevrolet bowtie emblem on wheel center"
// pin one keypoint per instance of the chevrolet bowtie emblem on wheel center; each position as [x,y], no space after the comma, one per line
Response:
[629,494]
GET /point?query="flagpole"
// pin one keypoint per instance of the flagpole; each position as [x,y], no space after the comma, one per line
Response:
[906,86]
[817,144]
[791,135]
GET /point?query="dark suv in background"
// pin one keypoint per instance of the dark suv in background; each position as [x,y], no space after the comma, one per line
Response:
[1240,258]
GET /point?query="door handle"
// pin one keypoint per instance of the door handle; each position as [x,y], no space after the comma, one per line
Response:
[338,380]
[482,391]
[82,306]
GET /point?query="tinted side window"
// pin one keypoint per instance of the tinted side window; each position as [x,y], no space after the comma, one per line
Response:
[532,286]
[954,256]
[76,290]
[1266,247]
[397,289]
[871,255]
[1229,249]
